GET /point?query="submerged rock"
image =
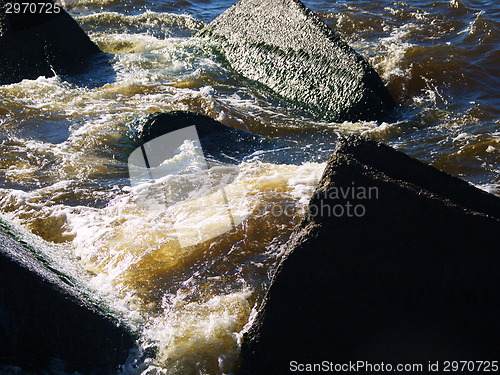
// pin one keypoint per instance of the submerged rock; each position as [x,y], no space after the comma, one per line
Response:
[286,47]
[219,142]
[47,323]
[396,262]
[42,39]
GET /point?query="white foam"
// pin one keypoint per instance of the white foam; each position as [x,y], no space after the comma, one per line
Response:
[391,62]
[195,329]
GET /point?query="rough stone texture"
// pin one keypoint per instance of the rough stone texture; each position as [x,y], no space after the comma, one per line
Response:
[34,45]
[285,46]
[45,318]
[218,141]
[415,279]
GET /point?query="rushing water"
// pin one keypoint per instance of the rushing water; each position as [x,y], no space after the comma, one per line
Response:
[64,145]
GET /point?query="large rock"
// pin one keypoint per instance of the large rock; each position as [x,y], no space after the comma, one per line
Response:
[41,43]
[397,262]
[46,321]
[286,47]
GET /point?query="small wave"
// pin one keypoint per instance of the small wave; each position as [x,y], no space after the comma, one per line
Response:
[152,23]
[126,43]
[479,29]
[490,188]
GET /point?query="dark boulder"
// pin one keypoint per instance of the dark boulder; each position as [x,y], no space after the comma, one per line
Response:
[219,142]
[46,320]
[286,47]
[41,43]
[396,262]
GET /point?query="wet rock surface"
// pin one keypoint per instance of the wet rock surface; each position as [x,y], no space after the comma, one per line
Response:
[219,142]
[41,43]
[286,47]
[48,323]
[408,275]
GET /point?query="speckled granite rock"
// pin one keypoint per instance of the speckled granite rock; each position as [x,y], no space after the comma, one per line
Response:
[286,47]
